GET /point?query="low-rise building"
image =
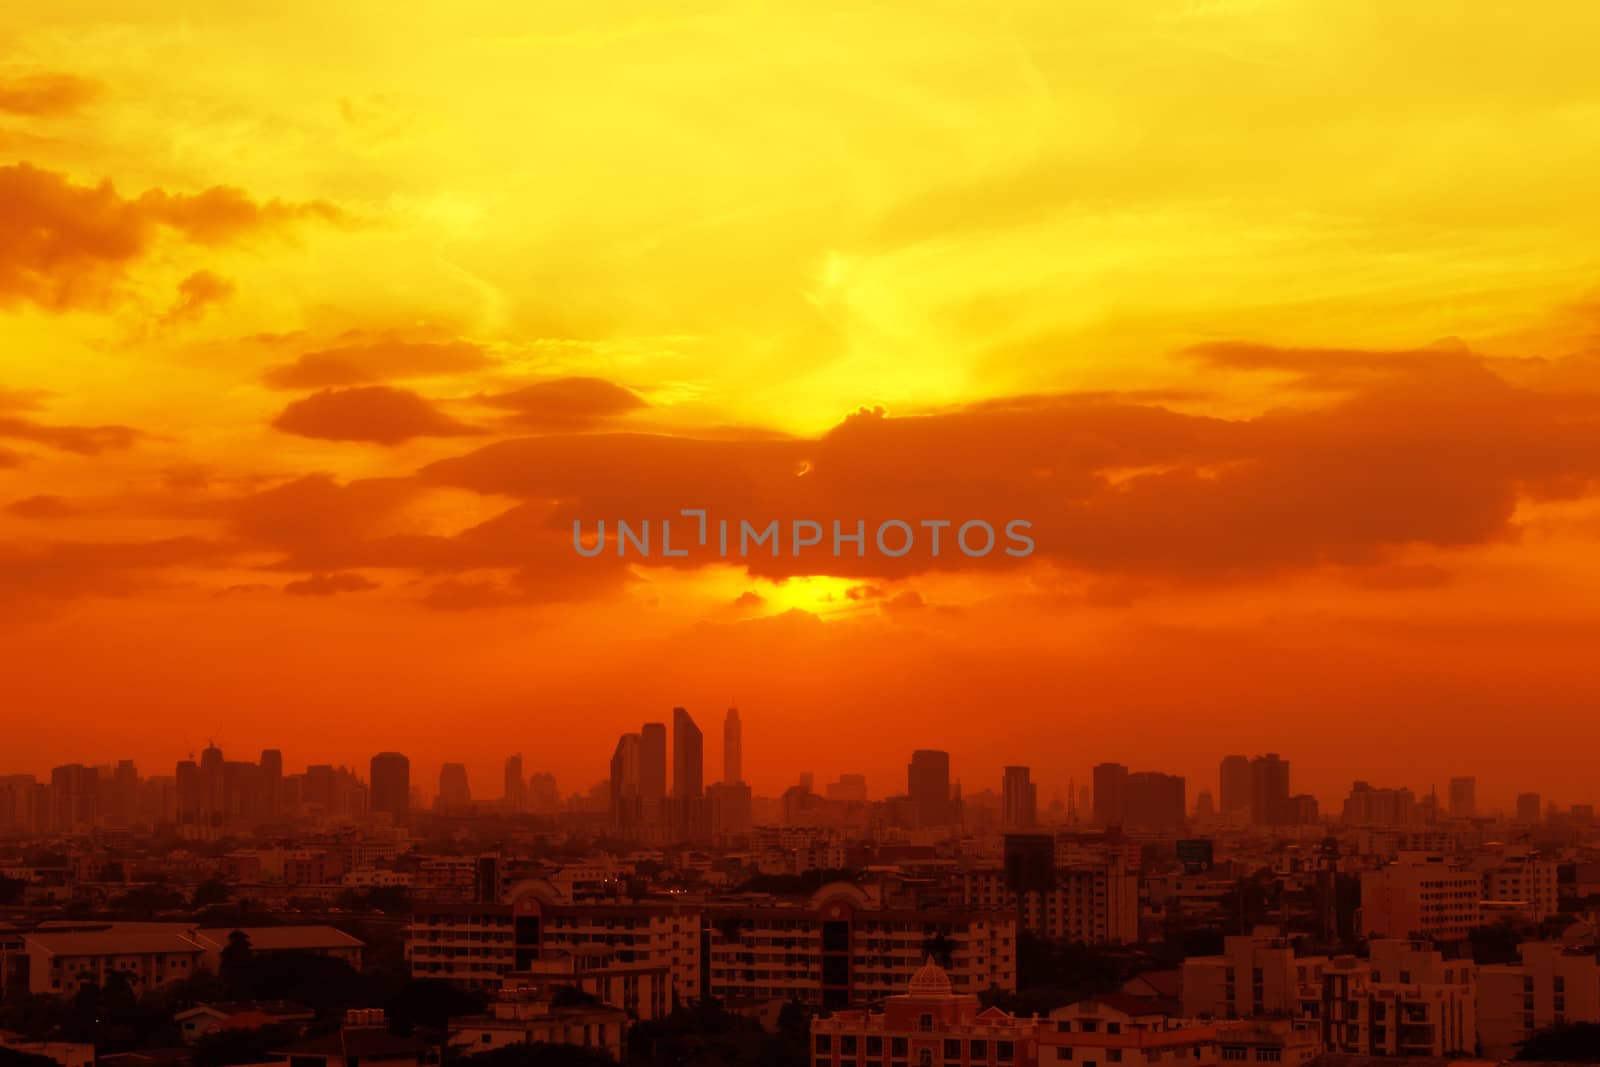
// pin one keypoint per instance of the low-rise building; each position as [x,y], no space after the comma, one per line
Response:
[930,1023]
[1121,1029]
[529,1015]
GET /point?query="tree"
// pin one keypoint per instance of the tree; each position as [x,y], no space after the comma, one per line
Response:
[1574,1043]
[539,1054]
[10,1057]
[234,1045]
[236,957]
[208,893]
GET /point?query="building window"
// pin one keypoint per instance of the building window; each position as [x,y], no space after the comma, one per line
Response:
[1004,1051]
[925,1024]
[824,1043]
[847,1045]
[874,1046]
[952,1049]
[980,1050]
[897,1046]
[1064,1052]
[1113,1055]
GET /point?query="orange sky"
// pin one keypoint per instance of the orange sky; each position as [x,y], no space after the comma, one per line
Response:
[1277,320]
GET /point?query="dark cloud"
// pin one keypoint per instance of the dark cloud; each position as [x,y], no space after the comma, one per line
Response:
[83,440]
[65,245]
[565,403]
[378,360]
[196,294]
[42,506]
[46,95]
[1432,451]
[330,584]
[379,414]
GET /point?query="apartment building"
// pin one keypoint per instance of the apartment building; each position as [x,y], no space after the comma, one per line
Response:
[1256,974]
[842,947]
[1405,999]
[1094,904]
[1420,895]
[1553,984]
[482,944]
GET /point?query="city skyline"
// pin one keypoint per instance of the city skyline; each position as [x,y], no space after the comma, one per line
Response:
[1266,784]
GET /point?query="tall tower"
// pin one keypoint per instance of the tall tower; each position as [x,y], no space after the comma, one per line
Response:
[454,791]
[272,782]
[516,790]
[1269,790]
[212,808]
[626,768]
[732,748]
[1019,799]
[1235,782]
[390,785]
[688,757]
[653,761]
[1110,782]
[928,786]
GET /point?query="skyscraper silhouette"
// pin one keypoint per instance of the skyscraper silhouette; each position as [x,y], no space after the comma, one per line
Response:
[1110,781]
[272,783]
[652,781]
[1234,782]
[454,792]
[390,778]
[928,786]
[1269,790]
[732,748]
[688,757]
[1019,799]
[516,789]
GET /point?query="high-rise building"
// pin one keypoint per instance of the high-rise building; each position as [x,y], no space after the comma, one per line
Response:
[849,789]
[1463,797]
[732,748]
[1528,807]
[454,792]
[688,757]
[211,772]
[271,783]
[390,778]
[74,798]
[516,789]
[1370,806]
[626,771]
[1154,800]
[1234,780]
[189,793]
[1019,799]
[653,762]
[1269,790]
[928,786]
[1110,781]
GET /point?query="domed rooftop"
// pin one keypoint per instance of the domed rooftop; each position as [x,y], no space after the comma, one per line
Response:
[930,981]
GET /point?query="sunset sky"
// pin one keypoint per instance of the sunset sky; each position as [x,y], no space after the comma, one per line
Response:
[1279,321]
